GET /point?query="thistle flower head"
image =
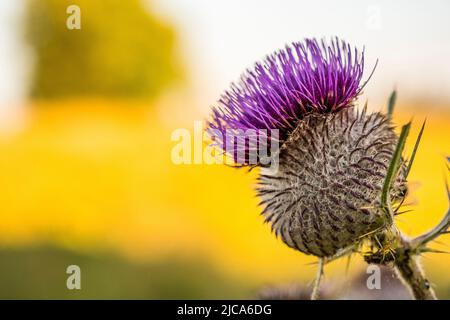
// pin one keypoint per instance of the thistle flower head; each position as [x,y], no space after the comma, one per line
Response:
[325,195]
[307,77]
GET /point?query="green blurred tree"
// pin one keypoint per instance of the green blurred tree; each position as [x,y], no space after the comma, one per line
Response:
[121,50]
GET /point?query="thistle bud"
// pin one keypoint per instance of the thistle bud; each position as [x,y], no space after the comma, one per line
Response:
[333,159]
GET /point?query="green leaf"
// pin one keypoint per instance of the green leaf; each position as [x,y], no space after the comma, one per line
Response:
[393,168]
[416,146]
[391,104]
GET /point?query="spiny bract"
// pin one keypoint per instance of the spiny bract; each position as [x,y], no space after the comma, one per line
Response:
[326,193]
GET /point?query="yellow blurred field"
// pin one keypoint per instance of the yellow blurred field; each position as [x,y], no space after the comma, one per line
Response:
[94,175]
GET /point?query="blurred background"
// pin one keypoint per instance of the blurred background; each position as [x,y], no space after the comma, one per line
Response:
[86,117]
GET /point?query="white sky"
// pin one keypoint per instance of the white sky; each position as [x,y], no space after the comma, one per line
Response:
[13,60]
[410,38]
[220,38]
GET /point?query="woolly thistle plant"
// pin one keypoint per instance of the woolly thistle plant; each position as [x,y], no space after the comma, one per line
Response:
[340,177]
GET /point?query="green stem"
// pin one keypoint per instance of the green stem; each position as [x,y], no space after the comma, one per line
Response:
[404,257]
[316,289]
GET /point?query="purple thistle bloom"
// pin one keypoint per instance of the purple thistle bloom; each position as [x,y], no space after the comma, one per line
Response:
[306,77]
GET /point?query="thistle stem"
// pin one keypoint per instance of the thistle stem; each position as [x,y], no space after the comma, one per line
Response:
[405,260]
[316,289]
[408,266]
[411,273]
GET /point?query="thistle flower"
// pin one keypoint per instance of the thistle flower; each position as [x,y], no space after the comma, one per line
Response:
[306,77]
[333,159]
